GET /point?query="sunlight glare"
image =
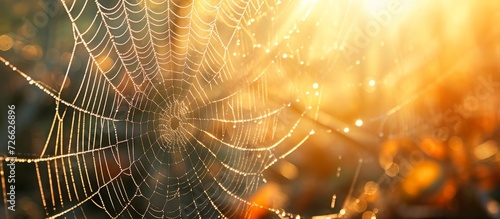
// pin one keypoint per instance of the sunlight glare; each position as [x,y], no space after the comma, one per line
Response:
[373,5]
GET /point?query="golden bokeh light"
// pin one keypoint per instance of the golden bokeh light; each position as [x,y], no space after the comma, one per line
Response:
[288,170]
[32,52]
[6,42]
[369,215]
[423,176]
[486,150]
[105,63]
[391,169]
[373,104]
[433,148]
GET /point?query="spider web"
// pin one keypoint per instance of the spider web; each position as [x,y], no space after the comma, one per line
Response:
[186,109]
[170,108]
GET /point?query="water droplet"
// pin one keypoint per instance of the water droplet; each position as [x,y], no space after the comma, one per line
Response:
[346,129]
[334,199]
[285,55]
[315,85]
[7,63]
[359,122]
[14,68]
[371,83]
[342,211]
